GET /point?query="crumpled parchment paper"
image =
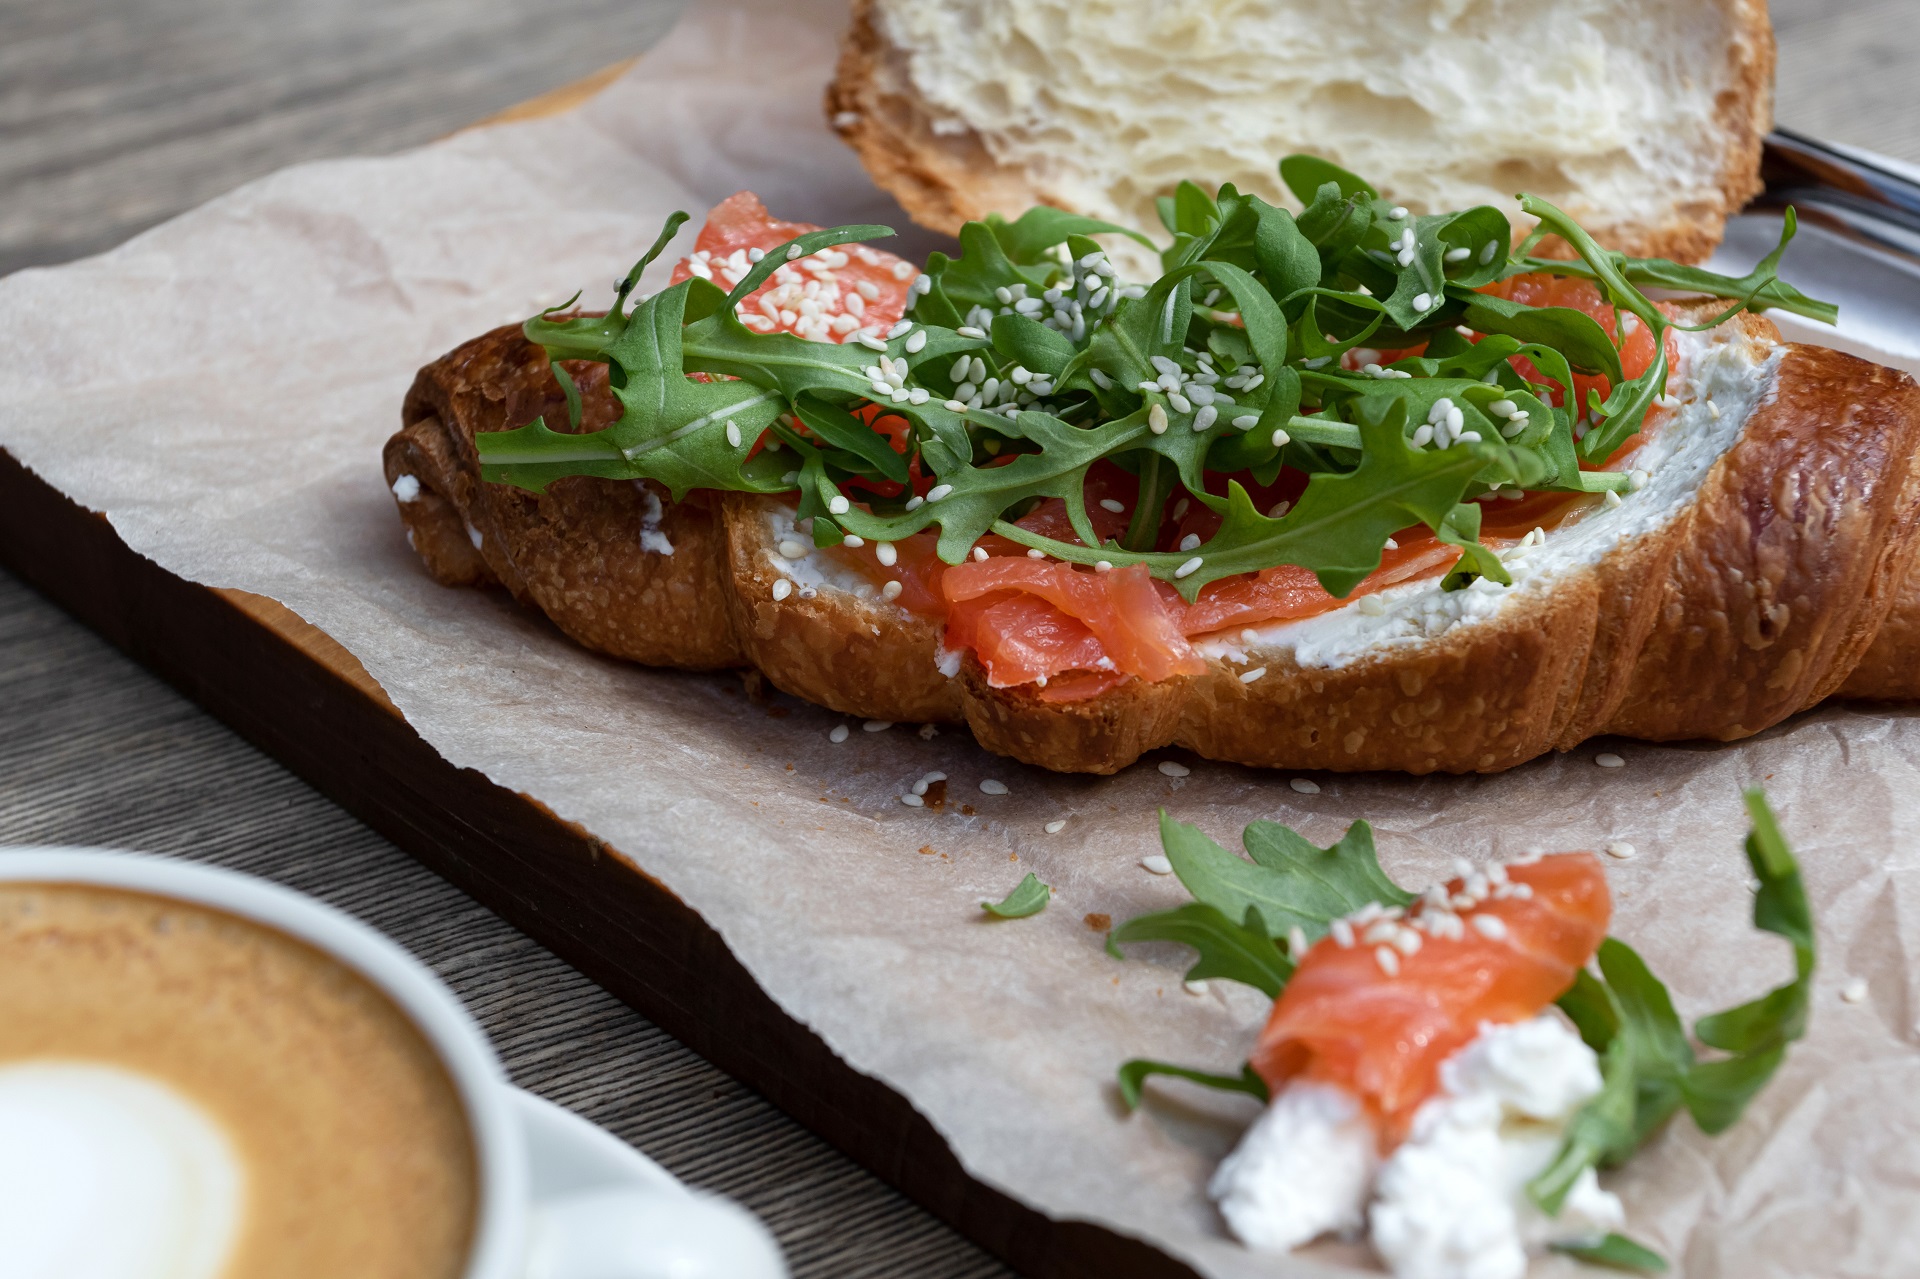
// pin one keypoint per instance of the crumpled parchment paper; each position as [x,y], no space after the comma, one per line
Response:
[220,387]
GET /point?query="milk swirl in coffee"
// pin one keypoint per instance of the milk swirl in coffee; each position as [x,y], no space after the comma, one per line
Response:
[189,1095]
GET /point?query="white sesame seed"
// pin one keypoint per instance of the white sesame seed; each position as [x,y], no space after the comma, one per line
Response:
[1248,677]
[1620,848]
[1855,991]
[1713,410]
[1371,606]
[1194,987]
[1491,927]
[1055,827]
[793,251]
[1397,212]
[1456,255]
[1157,420]
[1205,417]
[915,503]
[1296,941]
[913,801]
[1174,768]
[1388,960]
[1190,541]
[1607,759]
[877,725]
[1422,435]
[794,550]
[1035,553]
[993,786]
[1342,933]
[1246,421]
[1281,439]
[839,734]
[902,269]
[1406,941]
[1381,930]
[1103,566]
[918,340]
[782,589]
[1109,504]
[1279,509]
[885,553]
[891,591]
[839,505]
[955,406]
[754,255]
[1421,301]
[1612,499]
[855,541]
[980,555]
[1158,864]
[938,491]
[1190,567]
[1180,403]
[1304,786]
[1100,379]
[968,331]
[1637,480]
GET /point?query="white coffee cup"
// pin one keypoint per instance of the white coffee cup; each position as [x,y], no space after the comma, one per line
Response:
[580,1205]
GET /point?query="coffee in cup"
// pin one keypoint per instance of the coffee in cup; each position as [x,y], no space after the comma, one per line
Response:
[191,1094]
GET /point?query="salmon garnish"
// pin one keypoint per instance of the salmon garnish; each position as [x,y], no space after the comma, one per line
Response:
[1376,1006]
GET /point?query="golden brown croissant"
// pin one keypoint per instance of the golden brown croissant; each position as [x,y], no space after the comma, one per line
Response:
[1763,566]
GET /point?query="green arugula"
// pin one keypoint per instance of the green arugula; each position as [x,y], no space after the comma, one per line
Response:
[1029,897]
[1249,915]
[1033,361]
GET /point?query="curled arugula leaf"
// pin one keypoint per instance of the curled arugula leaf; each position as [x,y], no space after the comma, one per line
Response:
[1029,897]
[1649,1068]
[1031,361]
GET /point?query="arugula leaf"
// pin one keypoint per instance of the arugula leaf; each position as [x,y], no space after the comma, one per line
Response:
[1616,1252]
[1029,897]
[1135,1073]
[1237,952]
[1648,1067]
[1029,236]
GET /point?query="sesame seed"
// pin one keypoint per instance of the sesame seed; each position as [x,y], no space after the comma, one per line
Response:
[1248,677]
[1296,941]
[980,555]
[1035,553]
[1174,768]
[1100,379]
[733,434]
[1279,509]
[1421,301]
[1371,606]
[1304,786]
[1612,499]
[921,284]
[1456,255]
[1205,417]
[782,589]
[885,553]
[1180,403]
[955,406]
[1607,759]
[1194,987]
[793,251]
[794,550]
[915,503]
[1342,933]
[1103,566]
[1713,410]
[993,786]
[1246,421]
[1190,541]
[1158,864]
[1855,991]
[1189,568]
[839,505]
[754,255]
[903,269]
[1055,827]
[1487,251]
[891,591]
[839,734]
[1637,480]
[900,329]
[938,491]
[855,541]
[1620,848]
[968,331]
[1157,420]
[1281,439]
[1109,504]
[919,339]
[1397,212]
[913,801]
[1388,960]
[1491,927]
[877,725]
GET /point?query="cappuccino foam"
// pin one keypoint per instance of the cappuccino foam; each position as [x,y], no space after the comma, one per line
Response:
[197,1096]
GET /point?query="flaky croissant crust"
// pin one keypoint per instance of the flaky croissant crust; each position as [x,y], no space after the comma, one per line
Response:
[1786,581]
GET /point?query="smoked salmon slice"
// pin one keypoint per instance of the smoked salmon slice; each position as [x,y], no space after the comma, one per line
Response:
[1376,1006]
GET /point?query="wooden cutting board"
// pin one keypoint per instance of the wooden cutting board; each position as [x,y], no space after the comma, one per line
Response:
[294,692]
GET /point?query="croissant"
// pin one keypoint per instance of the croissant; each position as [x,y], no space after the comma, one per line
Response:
[1763,566]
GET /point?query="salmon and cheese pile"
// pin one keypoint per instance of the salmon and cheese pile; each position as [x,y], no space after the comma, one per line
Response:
[1447,1072]
[1347,487]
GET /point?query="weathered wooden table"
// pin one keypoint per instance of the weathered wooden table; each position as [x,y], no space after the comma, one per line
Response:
[115,114]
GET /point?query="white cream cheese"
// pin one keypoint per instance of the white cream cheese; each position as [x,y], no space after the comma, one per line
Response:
[407,488]
[651,513]
[1725,377]
[1450,1202]
[1301,1171]
[811,572]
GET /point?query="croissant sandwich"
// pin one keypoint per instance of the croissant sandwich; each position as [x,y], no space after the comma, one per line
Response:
[1347,488]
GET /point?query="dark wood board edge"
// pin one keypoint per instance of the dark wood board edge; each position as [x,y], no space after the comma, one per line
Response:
[549,878]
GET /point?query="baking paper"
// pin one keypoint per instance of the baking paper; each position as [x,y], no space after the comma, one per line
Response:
[220,388]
